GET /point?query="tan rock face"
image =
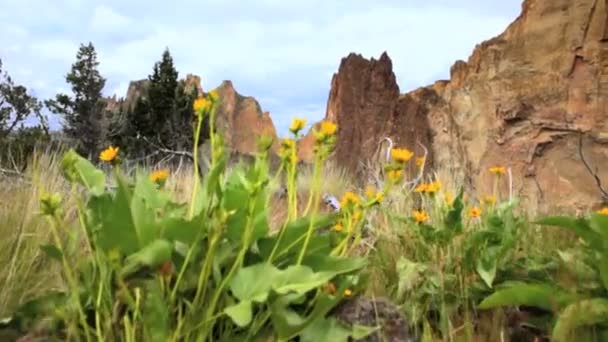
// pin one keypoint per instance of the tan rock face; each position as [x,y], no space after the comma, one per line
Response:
[520,100]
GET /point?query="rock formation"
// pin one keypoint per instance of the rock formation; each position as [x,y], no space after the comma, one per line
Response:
[521,100]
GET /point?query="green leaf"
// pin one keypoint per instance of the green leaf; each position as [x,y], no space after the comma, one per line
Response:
[323,262]
[536,295]
[300,279]
[52,251]
[583,313]
[289,324]
[361,332]
[180,229]
[603,268]
[325,329]
[253,283]
[80,170]
[599,223]
[486,268]
[293,236]
[240,313]
[110,220]
[152,256]
[155,312]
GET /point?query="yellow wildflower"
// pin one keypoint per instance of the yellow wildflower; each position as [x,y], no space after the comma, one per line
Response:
[201,104]
[433,187]
[214,95]
[288,143]
[348,292]
[370,191]
[420,216]
[475,212]
[338,227]
[356,216]
[395,175]
[421,188]
[328,128]
[348,199]
[401,155]
[109,154]
[419,161]
[490,199]
[603,211]
[498,170]
[297,125]
[159,176]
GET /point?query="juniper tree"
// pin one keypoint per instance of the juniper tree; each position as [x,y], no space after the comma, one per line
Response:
[83,112]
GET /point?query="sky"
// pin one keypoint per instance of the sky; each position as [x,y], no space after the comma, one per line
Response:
[282,52]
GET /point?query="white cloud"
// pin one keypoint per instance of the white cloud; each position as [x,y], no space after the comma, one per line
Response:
[106,20]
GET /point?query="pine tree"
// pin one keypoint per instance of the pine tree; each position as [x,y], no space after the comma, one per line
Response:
[83,113]
[162,97]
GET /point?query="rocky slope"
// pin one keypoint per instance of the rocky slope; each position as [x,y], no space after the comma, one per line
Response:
[521,100]
[239,117]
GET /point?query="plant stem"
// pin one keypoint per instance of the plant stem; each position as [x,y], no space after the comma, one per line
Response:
[315,196]
[196,171]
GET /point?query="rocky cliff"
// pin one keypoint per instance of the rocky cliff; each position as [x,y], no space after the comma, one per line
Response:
[521,100]
[239,117]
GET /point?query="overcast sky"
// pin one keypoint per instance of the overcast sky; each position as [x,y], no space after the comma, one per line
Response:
[282,52]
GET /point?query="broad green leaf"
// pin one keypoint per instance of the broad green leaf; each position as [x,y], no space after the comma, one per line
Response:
[599,223]
[289,324]
[80,170]
[155,312]
[486,268]
[300,279]
[180,229]
[151,256]
[323,262]
[574,263]
[603,268]
[253,283]
[536,295]
[144,208]
[293,236]
[361,331]
[110,219]
[583,313]
[240,313]
[325,329]
[52,251]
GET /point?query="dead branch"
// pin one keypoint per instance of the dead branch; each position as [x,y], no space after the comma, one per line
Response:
[598,181]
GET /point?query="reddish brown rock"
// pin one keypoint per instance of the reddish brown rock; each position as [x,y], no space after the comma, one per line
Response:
[365,103]
[521,100]
[242,121]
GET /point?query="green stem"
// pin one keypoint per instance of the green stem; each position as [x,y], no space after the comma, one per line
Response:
[195,157]
[236,265]
[54,221]
[315,197]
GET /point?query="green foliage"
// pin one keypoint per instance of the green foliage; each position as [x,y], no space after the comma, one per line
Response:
[582,306]
[84,112]
[209,269]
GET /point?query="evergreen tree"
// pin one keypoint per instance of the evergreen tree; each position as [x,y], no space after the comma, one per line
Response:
[162,97]
[83,113]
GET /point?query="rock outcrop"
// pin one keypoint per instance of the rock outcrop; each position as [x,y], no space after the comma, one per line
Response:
[365,102]
[239,118]
[521,100]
